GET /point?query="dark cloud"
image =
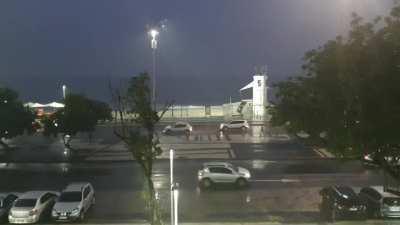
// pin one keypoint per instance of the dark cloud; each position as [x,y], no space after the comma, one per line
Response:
[207,53]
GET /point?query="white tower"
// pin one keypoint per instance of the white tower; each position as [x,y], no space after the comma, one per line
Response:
[260,98]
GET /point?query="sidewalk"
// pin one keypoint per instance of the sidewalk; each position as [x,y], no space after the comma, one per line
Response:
[369,222]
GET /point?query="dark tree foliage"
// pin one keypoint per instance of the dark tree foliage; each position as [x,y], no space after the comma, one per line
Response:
[15,117]
[80,114]
[140,136]
[349,90]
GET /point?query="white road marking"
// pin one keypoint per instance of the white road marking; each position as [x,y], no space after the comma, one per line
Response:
[277,180]
[319,153]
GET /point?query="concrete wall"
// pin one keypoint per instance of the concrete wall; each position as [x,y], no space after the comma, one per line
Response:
[226,112]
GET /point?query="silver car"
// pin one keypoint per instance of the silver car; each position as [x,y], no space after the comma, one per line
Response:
[74,201]
[6,202]
[222,172]
[179,127]
[235,124]
[31,206]
[380,203]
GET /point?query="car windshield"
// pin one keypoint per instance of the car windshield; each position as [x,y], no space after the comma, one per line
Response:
[347,192]
[25,202]
[73,196]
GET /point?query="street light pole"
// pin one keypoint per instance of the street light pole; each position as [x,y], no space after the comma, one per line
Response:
[154,33]
[64,90]
[154,80]
[171,172]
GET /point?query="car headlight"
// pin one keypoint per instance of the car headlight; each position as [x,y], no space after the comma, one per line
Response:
[76,211]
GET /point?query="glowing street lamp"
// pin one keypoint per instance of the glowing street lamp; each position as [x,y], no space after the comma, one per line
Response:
[64,90]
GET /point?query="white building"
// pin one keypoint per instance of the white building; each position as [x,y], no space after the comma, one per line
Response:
[260,97]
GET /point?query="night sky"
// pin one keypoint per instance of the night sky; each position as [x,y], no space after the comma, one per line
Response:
[206,54]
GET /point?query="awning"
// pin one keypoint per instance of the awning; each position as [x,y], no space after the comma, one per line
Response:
[34,105]
[248,86]
[54,105]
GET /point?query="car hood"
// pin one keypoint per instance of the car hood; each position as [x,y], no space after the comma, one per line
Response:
[66,206]
[21,211]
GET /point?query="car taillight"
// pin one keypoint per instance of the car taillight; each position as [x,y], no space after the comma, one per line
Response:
[33,212]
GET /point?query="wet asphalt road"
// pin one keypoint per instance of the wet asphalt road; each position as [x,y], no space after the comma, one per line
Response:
[118,187]
[286,178]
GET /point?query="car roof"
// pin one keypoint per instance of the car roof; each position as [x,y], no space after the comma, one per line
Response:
[383,192]
[33,194]
[208,164]
[181,122]
[76,186]
[5,194]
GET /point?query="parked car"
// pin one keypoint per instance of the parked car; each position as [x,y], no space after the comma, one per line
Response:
[234,124]
[179,127]
[222,172]
[74,201]
[6,202]
[380,203]
[31,206]
[341,202]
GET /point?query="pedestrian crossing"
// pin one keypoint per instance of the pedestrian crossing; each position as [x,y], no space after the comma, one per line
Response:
[195,146]
[197,150]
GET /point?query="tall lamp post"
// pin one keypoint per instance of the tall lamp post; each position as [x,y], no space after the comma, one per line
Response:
[154,34]
[64,90]
[174,190]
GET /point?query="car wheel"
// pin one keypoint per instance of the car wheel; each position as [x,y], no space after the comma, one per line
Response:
[225,129]
[241,182]
[244,128]
[206,183]
[168,132]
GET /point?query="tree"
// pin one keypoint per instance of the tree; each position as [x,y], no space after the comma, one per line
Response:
[348,89]
[140,137]
[102,110]
[80,114]
[16,119]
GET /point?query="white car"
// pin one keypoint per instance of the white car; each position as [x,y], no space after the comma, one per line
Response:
[74,201]
[31,206]
[234,124]
[222,172]
[6,202]
[179,127]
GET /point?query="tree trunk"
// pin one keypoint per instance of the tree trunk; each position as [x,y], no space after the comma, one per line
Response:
[154,213]
[4,145]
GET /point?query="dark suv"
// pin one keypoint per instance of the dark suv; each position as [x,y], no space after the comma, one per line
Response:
[341,201]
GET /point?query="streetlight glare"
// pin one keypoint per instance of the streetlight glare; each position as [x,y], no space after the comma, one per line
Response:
[153,33]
